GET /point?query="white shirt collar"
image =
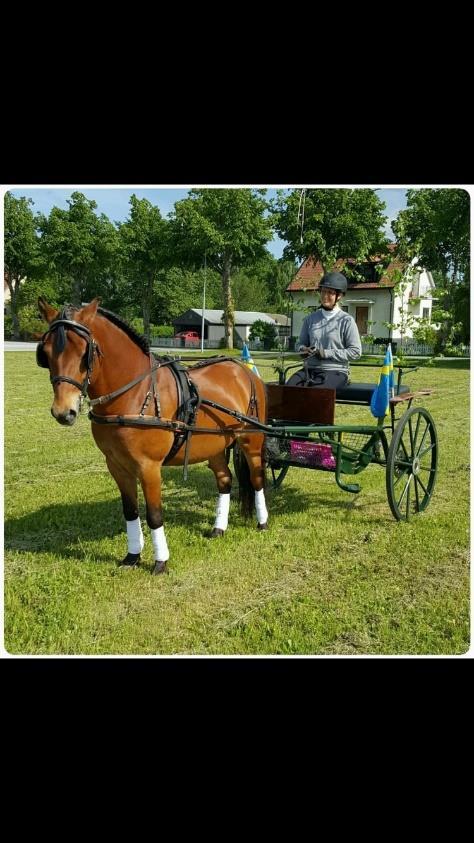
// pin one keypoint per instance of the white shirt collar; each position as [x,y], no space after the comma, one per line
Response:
[329,314]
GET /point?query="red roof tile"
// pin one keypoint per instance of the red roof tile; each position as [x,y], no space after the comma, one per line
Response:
[310,273]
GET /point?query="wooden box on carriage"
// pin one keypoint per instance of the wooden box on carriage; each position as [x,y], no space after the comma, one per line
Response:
[300,404]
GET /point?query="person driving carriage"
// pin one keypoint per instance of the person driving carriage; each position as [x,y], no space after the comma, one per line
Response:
[329,339]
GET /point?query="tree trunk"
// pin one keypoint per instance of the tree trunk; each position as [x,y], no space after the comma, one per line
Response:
[228,305]
[14,288]
[76,291]
[146,306]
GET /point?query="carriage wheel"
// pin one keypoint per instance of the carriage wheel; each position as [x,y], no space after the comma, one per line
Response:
[411,463]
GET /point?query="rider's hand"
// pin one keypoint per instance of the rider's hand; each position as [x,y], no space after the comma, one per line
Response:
[305,351]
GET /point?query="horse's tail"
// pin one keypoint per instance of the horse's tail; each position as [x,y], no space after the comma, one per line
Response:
[246,490]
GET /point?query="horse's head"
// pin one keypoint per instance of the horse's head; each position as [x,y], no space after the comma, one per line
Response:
[67,350]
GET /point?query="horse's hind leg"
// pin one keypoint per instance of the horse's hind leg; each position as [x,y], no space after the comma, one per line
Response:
[254,479]
[223,475]
[127,484]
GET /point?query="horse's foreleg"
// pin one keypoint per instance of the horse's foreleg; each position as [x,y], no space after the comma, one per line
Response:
[151,485]
[127,484]
[222,473]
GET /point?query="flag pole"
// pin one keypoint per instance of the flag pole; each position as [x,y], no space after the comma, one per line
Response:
[203,302]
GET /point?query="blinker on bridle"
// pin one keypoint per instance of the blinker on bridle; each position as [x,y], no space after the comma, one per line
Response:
[83,332]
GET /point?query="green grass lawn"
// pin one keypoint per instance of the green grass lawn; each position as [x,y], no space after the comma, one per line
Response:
[334,574]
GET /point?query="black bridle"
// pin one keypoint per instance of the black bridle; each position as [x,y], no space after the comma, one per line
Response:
[85,334]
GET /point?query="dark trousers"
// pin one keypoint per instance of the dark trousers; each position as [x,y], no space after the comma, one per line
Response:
[327,378]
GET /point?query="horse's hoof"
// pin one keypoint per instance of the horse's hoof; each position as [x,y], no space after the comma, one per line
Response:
[216,533]
[160,568]
[262,526]
[130,560]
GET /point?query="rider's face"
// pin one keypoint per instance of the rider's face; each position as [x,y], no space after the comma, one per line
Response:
[328,297]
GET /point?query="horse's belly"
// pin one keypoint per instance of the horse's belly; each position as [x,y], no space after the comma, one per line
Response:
[202,447]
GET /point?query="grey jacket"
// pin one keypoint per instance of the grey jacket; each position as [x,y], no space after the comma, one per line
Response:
[337,339]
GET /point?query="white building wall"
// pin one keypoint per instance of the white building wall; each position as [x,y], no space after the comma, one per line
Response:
[243,331]
[377,302]
[215,332]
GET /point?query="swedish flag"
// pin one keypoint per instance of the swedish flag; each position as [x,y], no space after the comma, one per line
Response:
[384,390]
[247,360]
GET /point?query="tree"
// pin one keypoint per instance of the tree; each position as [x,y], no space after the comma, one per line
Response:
[79,246]
[277,282]
[145,252]
[229,226]
[330,224]
[435,228]
[22,261]
[177,289]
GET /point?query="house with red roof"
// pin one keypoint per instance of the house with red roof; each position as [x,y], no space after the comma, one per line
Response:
[373,300]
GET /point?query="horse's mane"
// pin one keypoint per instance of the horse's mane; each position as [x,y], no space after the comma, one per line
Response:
[137,338]
[69,310]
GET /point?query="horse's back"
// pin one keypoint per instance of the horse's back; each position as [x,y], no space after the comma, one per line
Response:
[231,384]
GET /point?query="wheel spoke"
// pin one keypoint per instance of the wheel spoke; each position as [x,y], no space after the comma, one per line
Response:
[410,431]
[403,474]
[422,440]
[422,485]
[416,431]
[416,495]
[426,450]
[408,456]
[407,510]
[405,490]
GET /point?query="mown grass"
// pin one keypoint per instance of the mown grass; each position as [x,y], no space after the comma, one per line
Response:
[334,574]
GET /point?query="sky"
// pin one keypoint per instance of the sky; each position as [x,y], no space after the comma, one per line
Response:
[114,201]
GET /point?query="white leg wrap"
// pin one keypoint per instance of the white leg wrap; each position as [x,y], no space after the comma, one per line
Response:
[222,511]
[261,507]
[160,546]
[135,536]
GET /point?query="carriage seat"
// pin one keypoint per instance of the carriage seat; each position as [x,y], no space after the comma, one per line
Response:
[361,393]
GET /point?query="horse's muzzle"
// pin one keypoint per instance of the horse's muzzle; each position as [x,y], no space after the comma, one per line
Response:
[67,418]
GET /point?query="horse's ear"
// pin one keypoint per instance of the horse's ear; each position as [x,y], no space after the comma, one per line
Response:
[47,311]
[89,311]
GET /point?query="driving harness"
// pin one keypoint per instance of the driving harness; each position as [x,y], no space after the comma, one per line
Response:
[189,399]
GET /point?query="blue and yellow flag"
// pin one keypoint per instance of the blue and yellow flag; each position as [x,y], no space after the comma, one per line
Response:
[247,360]
[384,390]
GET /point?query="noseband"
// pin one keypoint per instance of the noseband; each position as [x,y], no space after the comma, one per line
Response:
[83,332]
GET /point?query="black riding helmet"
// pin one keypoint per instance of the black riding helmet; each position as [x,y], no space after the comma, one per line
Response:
[335,281]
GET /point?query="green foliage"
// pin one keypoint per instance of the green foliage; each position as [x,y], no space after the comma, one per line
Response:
[425,333]
[261,330]
[145,252]
[229,226]
[277,281]
[79,247]
[22,261]
[8,328]
[177,289]
[248,294]
[162,331]
[434,227]
[31,325]
[338,224]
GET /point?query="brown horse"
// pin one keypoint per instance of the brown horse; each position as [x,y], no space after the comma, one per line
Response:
[145,414]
